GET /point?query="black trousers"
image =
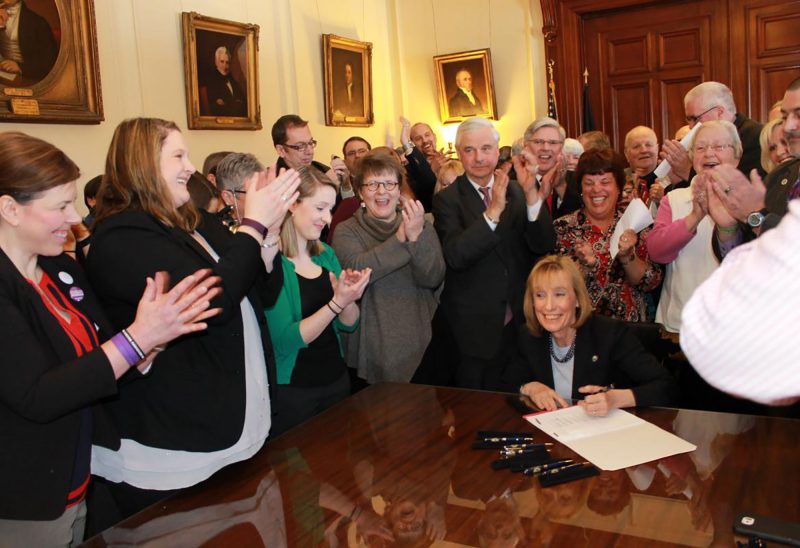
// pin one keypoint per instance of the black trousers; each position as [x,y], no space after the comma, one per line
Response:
[296,404]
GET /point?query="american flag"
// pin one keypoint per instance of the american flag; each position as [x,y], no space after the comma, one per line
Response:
[552,108]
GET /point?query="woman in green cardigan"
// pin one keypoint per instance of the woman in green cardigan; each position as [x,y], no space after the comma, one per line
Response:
[317,301]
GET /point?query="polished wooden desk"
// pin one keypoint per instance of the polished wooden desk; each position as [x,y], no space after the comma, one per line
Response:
[404,453]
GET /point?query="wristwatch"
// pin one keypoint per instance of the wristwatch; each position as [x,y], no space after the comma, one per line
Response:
[756,218]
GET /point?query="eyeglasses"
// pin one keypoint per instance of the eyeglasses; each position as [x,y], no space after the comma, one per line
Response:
[372,186]
[700,149]
[353,153]
[540,142]
[302,147]
[695,119]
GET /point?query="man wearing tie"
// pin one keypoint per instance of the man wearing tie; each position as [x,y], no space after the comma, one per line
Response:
[350,97]
[464,102]
[225,96]
[544,139]
[491,236]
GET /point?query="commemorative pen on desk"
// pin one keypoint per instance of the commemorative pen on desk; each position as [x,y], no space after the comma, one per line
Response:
[509,451]
[509,438]
[536,470]
[560,469]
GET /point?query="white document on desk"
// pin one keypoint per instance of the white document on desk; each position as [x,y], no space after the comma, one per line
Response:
[613,442]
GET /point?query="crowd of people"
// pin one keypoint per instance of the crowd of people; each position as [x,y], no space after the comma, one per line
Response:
[193,314]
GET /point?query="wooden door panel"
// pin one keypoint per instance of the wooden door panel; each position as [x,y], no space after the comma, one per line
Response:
[680,49]
[632,105]
[772,45]
[647,58]
[672,92]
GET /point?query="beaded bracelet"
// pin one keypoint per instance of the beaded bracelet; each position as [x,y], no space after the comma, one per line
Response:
[728,229]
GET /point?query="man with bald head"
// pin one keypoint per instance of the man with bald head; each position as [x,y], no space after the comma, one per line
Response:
[424,139]
[641,151]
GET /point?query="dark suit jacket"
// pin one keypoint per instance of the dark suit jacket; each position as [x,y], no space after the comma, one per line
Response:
[193,399]
[38,46]
[43,390]
[221,101]
[421,177]
[572,197]
[460,105]
[606,352]
[779,183]
[349,107]
[486,269]
[749,132]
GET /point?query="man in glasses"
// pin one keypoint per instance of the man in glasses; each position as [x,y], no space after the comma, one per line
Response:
[295,146]
[544,140]
[714,101]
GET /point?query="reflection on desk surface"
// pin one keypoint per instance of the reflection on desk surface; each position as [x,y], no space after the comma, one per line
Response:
[393,466]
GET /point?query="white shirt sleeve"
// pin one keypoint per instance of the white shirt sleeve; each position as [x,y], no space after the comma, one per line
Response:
[740,328]
[533,210]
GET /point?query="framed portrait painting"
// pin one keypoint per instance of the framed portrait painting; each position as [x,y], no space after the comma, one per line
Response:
[220,61]
[49,70]
[465,85]
[348,81]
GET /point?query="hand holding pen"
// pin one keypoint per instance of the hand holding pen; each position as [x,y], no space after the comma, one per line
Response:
[602,399]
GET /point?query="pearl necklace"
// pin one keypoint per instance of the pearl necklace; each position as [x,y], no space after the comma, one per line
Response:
[567,357]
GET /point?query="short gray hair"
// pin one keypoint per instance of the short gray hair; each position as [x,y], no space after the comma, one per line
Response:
[220,51]
[539,123]
[572,146]
[474,124]
[235,169]
[711,94]
[733,135]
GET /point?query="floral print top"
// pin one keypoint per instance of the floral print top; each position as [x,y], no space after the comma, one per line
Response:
[611,293]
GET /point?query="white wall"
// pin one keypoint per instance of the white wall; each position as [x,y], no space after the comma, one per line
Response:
[141,67]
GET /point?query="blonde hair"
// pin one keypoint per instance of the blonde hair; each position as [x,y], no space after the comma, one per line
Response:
[450,166]
[549,266]
[133,179]
[764,139]
[310,180]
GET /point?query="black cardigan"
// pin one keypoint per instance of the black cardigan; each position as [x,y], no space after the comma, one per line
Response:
[194,397]
[606,352]
[43,388]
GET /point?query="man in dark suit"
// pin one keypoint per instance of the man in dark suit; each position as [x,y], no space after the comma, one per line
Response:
[349,98]
[464,102]
[491,235]
[225,96]
[32,50]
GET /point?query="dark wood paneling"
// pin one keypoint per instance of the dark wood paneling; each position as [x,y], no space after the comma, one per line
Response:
[751,45]
[631,102]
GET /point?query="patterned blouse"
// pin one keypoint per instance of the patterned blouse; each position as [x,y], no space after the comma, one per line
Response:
[611,293]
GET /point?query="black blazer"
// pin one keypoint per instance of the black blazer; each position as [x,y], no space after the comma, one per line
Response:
[606,352]
[486,269]
[193,399]
[43,389]
[460,105]
[421,177]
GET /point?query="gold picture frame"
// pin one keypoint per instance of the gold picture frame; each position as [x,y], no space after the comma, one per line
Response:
[57,76]
[455,104]
[347,66]
[220,60]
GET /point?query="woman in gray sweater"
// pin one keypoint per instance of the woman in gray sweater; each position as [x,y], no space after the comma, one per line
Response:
[403,251]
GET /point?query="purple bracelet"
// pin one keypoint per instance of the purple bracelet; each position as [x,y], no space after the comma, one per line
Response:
[125,348]
[255,225]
